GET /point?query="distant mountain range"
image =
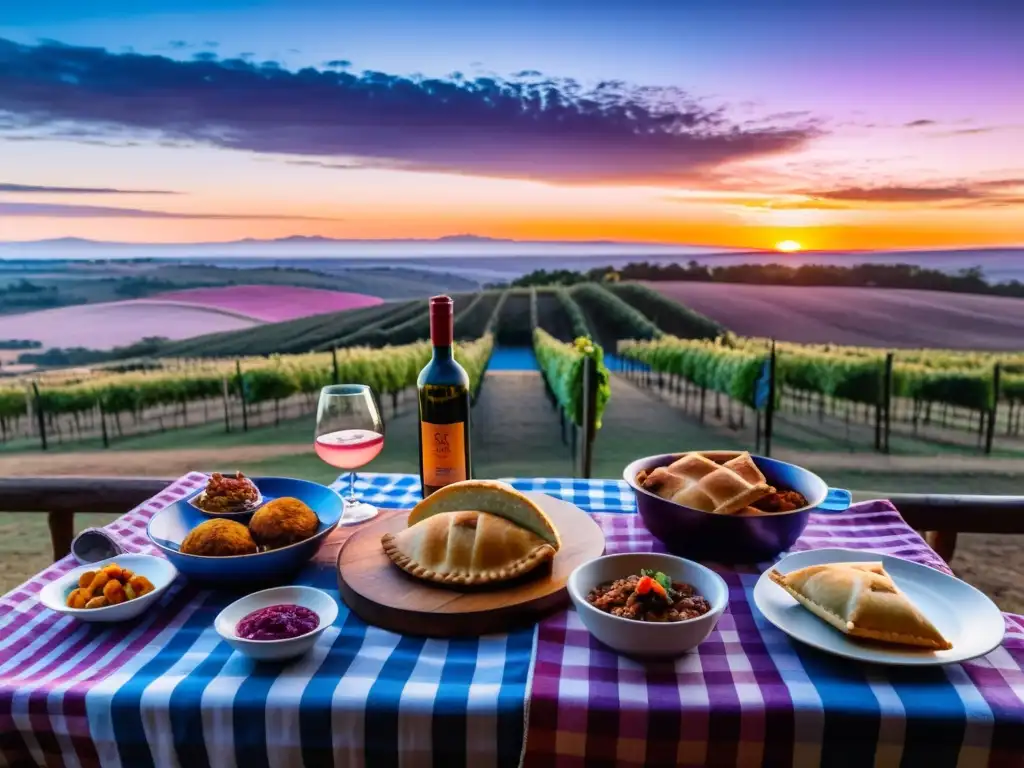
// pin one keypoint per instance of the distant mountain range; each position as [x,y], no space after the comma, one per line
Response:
[73,242]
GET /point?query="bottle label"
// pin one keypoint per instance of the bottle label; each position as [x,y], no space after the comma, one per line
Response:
[444,453]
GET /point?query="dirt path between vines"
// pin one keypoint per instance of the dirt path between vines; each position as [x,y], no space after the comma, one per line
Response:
[169,463]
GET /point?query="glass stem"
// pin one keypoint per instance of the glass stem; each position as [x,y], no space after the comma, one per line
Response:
[352,487]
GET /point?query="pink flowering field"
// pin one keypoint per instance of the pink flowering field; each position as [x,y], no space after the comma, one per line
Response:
[269,303]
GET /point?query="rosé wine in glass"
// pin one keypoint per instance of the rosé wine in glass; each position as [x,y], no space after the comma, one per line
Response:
[349,434]
[349,448]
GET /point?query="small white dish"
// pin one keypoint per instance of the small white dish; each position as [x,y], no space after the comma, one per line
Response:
[316,600]
[640,638]
[964,616]
[157,569]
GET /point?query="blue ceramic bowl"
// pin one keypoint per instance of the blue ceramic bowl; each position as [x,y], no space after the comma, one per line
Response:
[169,527]
[728,538]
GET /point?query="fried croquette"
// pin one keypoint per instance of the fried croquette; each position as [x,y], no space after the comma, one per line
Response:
[219,538]
[283,521]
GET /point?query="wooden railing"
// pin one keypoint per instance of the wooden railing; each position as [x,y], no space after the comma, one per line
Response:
[942,517]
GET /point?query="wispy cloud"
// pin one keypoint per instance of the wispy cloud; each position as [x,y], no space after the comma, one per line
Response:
[36,189]
[980,194]
[1000,184]
[919,123]
[992,193]
[57,210]
[529,126]
[894,194]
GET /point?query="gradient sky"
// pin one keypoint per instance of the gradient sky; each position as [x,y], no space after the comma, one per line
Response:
[877,124]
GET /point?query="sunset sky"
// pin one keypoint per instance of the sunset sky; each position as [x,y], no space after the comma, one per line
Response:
[875,124]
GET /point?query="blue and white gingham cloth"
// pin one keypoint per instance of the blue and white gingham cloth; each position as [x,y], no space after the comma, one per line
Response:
[403,491]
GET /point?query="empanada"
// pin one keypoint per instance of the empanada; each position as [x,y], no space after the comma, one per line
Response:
[861,599]
[490,496]
[466,548]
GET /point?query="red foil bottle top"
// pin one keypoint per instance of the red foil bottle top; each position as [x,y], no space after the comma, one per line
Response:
[441,315]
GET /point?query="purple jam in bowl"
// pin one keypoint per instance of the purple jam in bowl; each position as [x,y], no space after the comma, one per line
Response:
[277,622]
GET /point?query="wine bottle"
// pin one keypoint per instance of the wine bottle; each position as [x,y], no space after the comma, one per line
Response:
[443,388]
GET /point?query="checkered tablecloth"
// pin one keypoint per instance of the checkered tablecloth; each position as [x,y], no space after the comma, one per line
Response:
[166,691]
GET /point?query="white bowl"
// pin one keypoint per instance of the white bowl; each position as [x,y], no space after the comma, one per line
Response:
[640,638]
[318,601]
[157,569]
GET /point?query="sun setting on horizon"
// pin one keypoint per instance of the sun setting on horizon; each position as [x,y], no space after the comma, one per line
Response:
[788,246]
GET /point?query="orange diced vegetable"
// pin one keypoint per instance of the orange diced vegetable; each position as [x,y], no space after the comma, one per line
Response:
[113,570]
[86,578]
[141,585]
[97,602]
[114,592]
[97,585]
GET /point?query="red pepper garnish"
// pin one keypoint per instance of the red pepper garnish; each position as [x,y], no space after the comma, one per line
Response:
[647,584]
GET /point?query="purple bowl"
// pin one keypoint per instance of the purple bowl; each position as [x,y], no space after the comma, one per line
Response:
[729,538]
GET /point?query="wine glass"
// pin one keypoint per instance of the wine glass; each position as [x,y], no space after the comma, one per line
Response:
[349,434]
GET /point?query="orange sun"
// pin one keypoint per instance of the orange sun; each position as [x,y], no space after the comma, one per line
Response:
[787,246]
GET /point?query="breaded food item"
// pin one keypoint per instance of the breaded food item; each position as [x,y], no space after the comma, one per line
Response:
[283,521]
[110,585]
[219,538]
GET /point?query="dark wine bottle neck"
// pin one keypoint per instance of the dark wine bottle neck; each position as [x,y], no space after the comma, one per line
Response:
[442,352]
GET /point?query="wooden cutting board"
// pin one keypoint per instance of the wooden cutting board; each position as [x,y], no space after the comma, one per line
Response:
[382,594]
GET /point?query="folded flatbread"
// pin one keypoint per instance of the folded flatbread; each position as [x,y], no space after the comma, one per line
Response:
[862,600]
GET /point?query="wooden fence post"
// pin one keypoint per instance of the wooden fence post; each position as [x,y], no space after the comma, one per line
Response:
[241,394]
[227,405]
[334,365]
[990,431]
[103,424]
[40,416]
[590,386]
[769,413]
[887,394]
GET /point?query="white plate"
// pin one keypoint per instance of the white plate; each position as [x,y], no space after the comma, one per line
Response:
[315,600]
[157,569]
[965,616]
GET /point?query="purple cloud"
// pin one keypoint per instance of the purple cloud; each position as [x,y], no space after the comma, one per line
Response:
[36,189]
[528,126]
[57,210]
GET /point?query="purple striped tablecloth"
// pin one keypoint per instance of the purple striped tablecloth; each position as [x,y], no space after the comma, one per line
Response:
[751,696]
[51,662]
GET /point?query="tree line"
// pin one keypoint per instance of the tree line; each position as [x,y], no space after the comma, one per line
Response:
[969,280]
